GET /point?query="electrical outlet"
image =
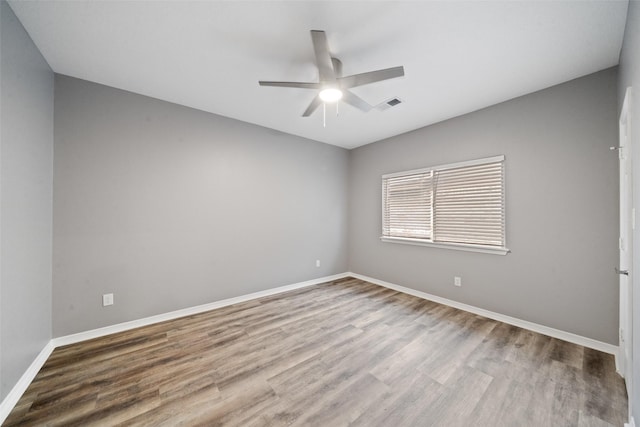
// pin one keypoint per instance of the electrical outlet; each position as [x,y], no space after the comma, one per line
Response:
[107,299]
[457,281]
[317,263]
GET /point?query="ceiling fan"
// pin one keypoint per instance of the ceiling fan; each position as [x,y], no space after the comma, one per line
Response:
[332,85]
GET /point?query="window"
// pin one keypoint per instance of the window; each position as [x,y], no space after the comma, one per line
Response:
[458,206]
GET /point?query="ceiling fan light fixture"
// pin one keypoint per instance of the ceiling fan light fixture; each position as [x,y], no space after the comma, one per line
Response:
[330,94]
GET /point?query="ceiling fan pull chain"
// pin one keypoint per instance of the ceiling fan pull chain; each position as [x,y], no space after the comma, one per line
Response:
[324,115]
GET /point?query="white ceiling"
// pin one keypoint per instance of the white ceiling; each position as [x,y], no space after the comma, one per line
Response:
[459,56]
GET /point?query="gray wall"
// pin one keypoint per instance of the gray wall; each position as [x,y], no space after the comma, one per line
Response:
[26,163]
[562,216]
[169,207]
[629,75]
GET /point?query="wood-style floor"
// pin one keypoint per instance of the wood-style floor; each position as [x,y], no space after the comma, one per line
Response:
[341,353]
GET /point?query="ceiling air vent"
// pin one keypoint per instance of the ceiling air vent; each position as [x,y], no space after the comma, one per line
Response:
[388,104]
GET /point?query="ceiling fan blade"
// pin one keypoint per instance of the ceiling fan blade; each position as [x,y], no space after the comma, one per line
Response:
[323,57]
[312,107]
[371,77]
[353,99]
[300,85]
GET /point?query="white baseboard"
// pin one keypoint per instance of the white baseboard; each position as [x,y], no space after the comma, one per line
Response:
[618,358]
[121,327]
[631,423]
[545,330]
[16,392]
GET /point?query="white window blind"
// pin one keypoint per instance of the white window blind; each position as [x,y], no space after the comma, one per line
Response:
[459,204]
[407,207]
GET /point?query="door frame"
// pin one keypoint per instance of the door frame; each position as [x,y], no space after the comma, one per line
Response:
[627,226]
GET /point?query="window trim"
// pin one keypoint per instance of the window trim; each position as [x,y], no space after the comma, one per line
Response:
[455,246]
[445,245]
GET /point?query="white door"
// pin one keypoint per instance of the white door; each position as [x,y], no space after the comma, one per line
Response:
[627,225]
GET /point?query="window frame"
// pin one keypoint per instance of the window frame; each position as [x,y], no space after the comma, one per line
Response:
[489,249]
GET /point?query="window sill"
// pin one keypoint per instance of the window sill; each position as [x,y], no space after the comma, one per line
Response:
[454,246]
